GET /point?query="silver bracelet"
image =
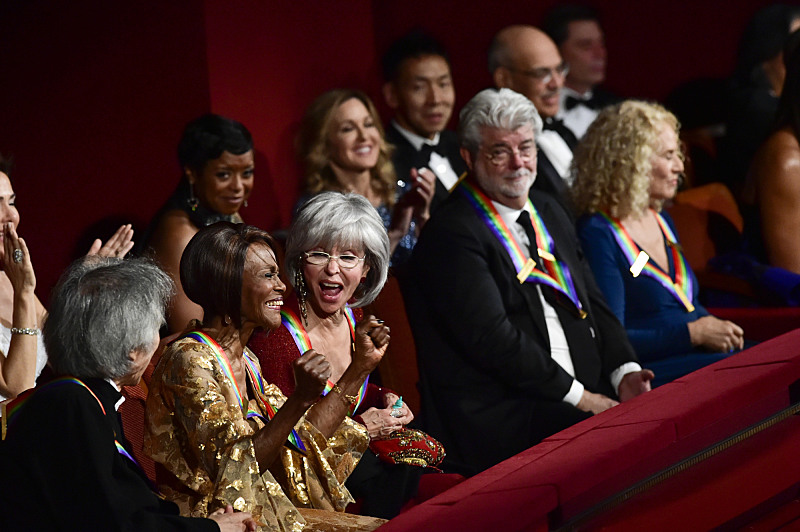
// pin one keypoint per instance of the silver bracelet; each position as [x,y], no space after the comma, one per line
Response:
[25,330]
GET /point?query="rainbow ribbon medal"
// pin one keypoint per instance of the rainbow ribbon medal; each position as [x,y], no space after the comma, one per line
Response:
[255,378]
[556,274]
[681,289]
[303,343]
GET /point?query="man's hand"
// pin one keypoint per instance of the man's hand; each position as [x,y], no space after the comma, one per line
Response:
[229,521]
[595,402]
[635,383]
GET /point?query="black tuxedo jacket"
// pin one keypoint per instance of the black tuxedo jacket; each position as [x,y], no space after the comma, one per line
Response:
[550,182]
[487,380]
[406,157]
[61,469]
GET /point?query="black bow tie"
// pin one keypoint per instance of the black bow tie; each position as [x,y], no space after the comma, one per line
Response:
[557,125]
[427,149]
[572,102]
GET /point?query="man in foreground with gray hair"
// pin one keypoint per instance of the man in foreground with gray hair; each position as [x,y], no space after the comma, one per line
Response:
[514,339]
[66,463]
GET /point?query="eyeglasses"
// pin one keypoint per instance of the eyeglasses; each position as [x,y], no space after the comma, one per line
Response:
[320,258]
[501,155]
[543,74]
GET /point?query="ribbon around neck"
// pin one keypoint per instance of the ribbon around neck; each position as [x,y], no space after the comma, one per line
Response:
[257,381]
[682,287]
[303,343]
[556,273]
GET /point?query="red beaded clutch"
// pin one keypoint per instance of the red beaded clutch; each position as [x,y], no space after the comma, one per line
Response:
[409,446]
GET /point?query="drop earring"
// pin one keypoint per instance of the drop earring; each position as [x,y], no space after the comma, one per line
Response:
[302,292]
[245,203]
[192,201]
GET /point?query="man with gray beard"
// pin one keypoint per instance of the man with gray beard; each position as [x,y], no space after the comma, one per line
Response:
[514,339]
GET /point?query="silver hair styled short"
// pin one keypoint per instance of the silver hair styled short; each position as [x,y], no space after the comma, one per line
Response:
[102,310]
[496,109]
[347,220]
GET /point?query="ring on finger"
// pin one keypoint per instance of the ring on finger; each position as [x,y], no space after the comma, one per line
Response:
[17,255]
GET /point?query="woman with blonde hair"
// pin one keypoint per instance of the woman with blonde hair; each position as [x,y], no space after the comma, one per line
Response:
[626,167]
[343,148]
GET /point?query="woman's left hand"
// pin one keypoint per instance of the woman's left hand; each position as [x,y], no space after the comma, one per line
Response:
[405,416]
[117,246]
[372,340]
[380,423]
[20,273]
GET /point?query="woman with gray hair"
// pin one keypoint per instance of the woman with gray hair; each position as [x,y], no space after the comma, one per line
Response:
[337,257]
[66,463]
[224,433]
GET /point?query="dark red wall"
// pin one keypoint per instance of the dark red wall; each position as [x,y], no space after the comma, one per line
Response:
[94,94]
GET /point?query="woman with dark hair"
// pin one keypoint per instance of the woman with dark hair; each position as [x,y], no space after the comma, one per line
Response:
[343,148]
[22,352]
[225,434]
[65,460]
[337,257]
[756,87]
[216,158]
[775,176]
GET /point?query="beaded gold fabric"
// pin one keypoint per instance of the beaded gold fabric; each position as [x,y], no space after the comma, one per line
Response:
[196,429]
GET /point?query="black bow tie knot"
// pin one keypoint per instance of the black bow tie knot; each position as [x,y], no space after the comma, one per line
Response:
[572,102]
[557,125]
[427,149]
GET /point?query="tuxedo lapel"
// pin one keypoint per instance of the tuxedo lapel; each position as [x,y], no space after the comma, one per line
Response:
[527,290]
[562,251]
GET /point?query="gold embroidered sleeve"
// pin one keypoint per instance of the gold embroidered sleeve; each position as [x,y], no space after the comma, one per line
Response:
[316,480]
[197,430]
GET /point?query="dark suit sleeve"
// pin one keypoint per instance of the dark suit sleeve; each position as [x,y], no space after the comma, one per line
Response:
[463,281]
[69,472]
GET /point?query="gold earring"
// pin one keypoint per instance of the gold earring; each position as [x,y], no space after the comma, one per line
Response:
[302,292]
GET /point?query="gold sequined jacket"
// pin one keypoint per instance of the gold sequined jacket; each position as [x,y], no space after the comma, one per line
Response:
[197,430]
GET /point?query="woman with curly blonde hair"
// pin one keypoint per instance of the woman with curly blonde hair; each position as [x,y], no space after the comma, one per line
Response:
[626,167]
[343,148]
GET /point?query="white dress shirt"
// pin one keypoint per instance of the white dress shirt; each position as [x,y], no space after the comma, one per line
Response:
[580,117]
[438,164]
[559,347]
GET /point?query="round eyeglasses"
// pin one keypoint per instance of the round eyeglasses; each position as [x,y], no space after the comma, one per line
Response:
[320,258]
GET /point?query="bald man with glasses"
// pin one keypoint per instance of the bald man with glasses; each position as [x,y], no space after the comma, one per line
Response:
[525,60]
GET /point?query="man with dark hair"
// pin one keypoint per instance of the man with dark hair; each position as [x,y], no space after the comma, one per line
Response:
[576,31]
[419,88]
[525,60]
[515,341]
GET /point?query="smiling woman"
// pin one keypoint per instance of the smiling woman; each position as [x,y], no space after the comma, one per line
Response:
[224,433]
[343,149]
[216,158]
[337,256]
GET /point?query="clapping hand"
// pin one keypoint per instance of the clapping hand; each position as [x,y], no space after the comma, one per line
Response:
[117,246]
